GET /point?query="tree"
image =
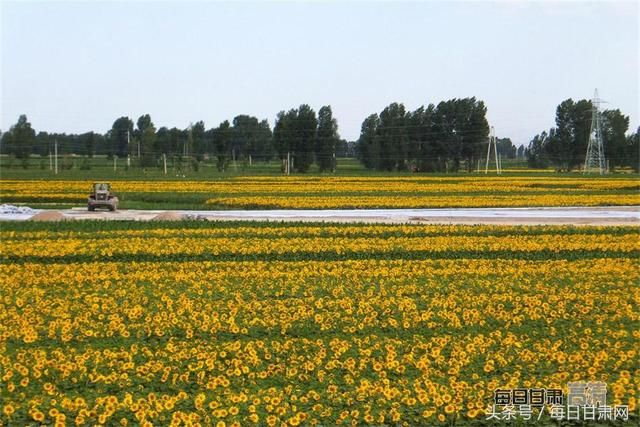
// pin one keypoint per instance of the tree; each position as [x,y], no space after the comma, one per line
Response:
[305,126]
[198,140]
[537,152]
[279,135]
[393,138]
[327,137]
[633,151]
[614,130]
[368,143]
[5,143]
[119,136]
[294,134]
[222,144]
[264,147]
[43,144]
[245,136]
[567,145]
[163,141]
[90,144]
[558,147]
[447,144]
[427,139]
[188,141]
[146,135]
[475,130]
[419,132]
[506,148]
[581,127]
[284,134]
[21,139]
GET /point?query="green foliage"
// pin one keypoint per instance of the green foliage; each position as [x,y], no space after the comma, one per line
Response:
[197,139]
[283,132]
[614,129]
[305,133]
[565,146]
[633,150]
[536,155]
[90,144]
[392,138]
[368,144]
[20,139]
[327,138]
[222,144]
[427,139]
[506,148]
[295,133]
[85,165]
[147,140]
[119,136]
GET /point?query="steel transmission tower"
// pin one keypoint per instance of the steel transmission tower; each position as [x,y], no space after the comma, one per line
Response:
[594,161]
[492,142]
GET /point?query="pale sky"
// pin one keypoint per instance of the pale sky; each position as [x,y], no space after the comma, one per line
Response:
[77,66]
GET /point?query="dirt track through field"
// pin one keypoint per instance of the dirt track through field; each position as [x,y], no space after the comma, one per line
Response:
[615,215]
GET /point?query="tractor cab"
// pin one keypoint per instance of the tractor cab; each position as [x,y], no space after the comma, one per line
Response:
[102,197]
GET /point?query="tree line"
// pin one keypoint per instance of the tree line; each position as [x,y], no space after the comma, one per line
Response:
[446,137]
[437,138]
[300,137]
[564,146]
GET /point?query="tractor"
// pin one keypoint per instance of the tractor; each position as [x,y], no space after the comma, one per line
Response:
[102,197]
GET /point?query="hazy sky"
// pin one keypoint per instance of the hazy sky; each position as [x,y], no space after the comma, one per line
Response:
[77,66]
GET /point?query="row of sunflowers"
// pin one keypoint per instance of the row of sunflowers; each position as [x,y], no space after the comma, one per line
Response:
[306,324]
[344,192]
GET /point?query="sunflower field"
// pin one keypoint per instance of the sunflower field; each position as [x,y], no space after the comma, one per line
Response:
[199,323]
[313,192]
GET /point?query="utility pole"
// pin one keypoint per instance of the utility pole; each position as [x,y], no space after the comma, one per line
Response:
[233,154]
[189,140]
[492,142]
[164,161]
[128,149]
[188,145]
[288,168]
[115,158]
[594,160]
[50,159]
[56,159]
[333,163]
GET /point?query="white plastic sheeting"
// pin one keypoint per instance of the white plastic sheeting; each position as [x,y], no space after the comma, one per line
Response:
[557,215]
[12,212]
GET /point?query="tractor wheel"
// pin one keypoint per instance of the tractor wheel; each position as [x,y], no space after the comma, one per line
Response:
[92,208]
[112,208]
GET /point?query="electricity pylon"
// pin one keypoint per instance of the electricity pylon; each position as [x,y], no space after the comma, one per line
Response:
[492,141]
[594,161]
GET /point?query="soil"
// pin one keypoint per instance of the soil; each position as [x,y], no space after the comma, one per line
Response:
[53,216]
[168,216]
